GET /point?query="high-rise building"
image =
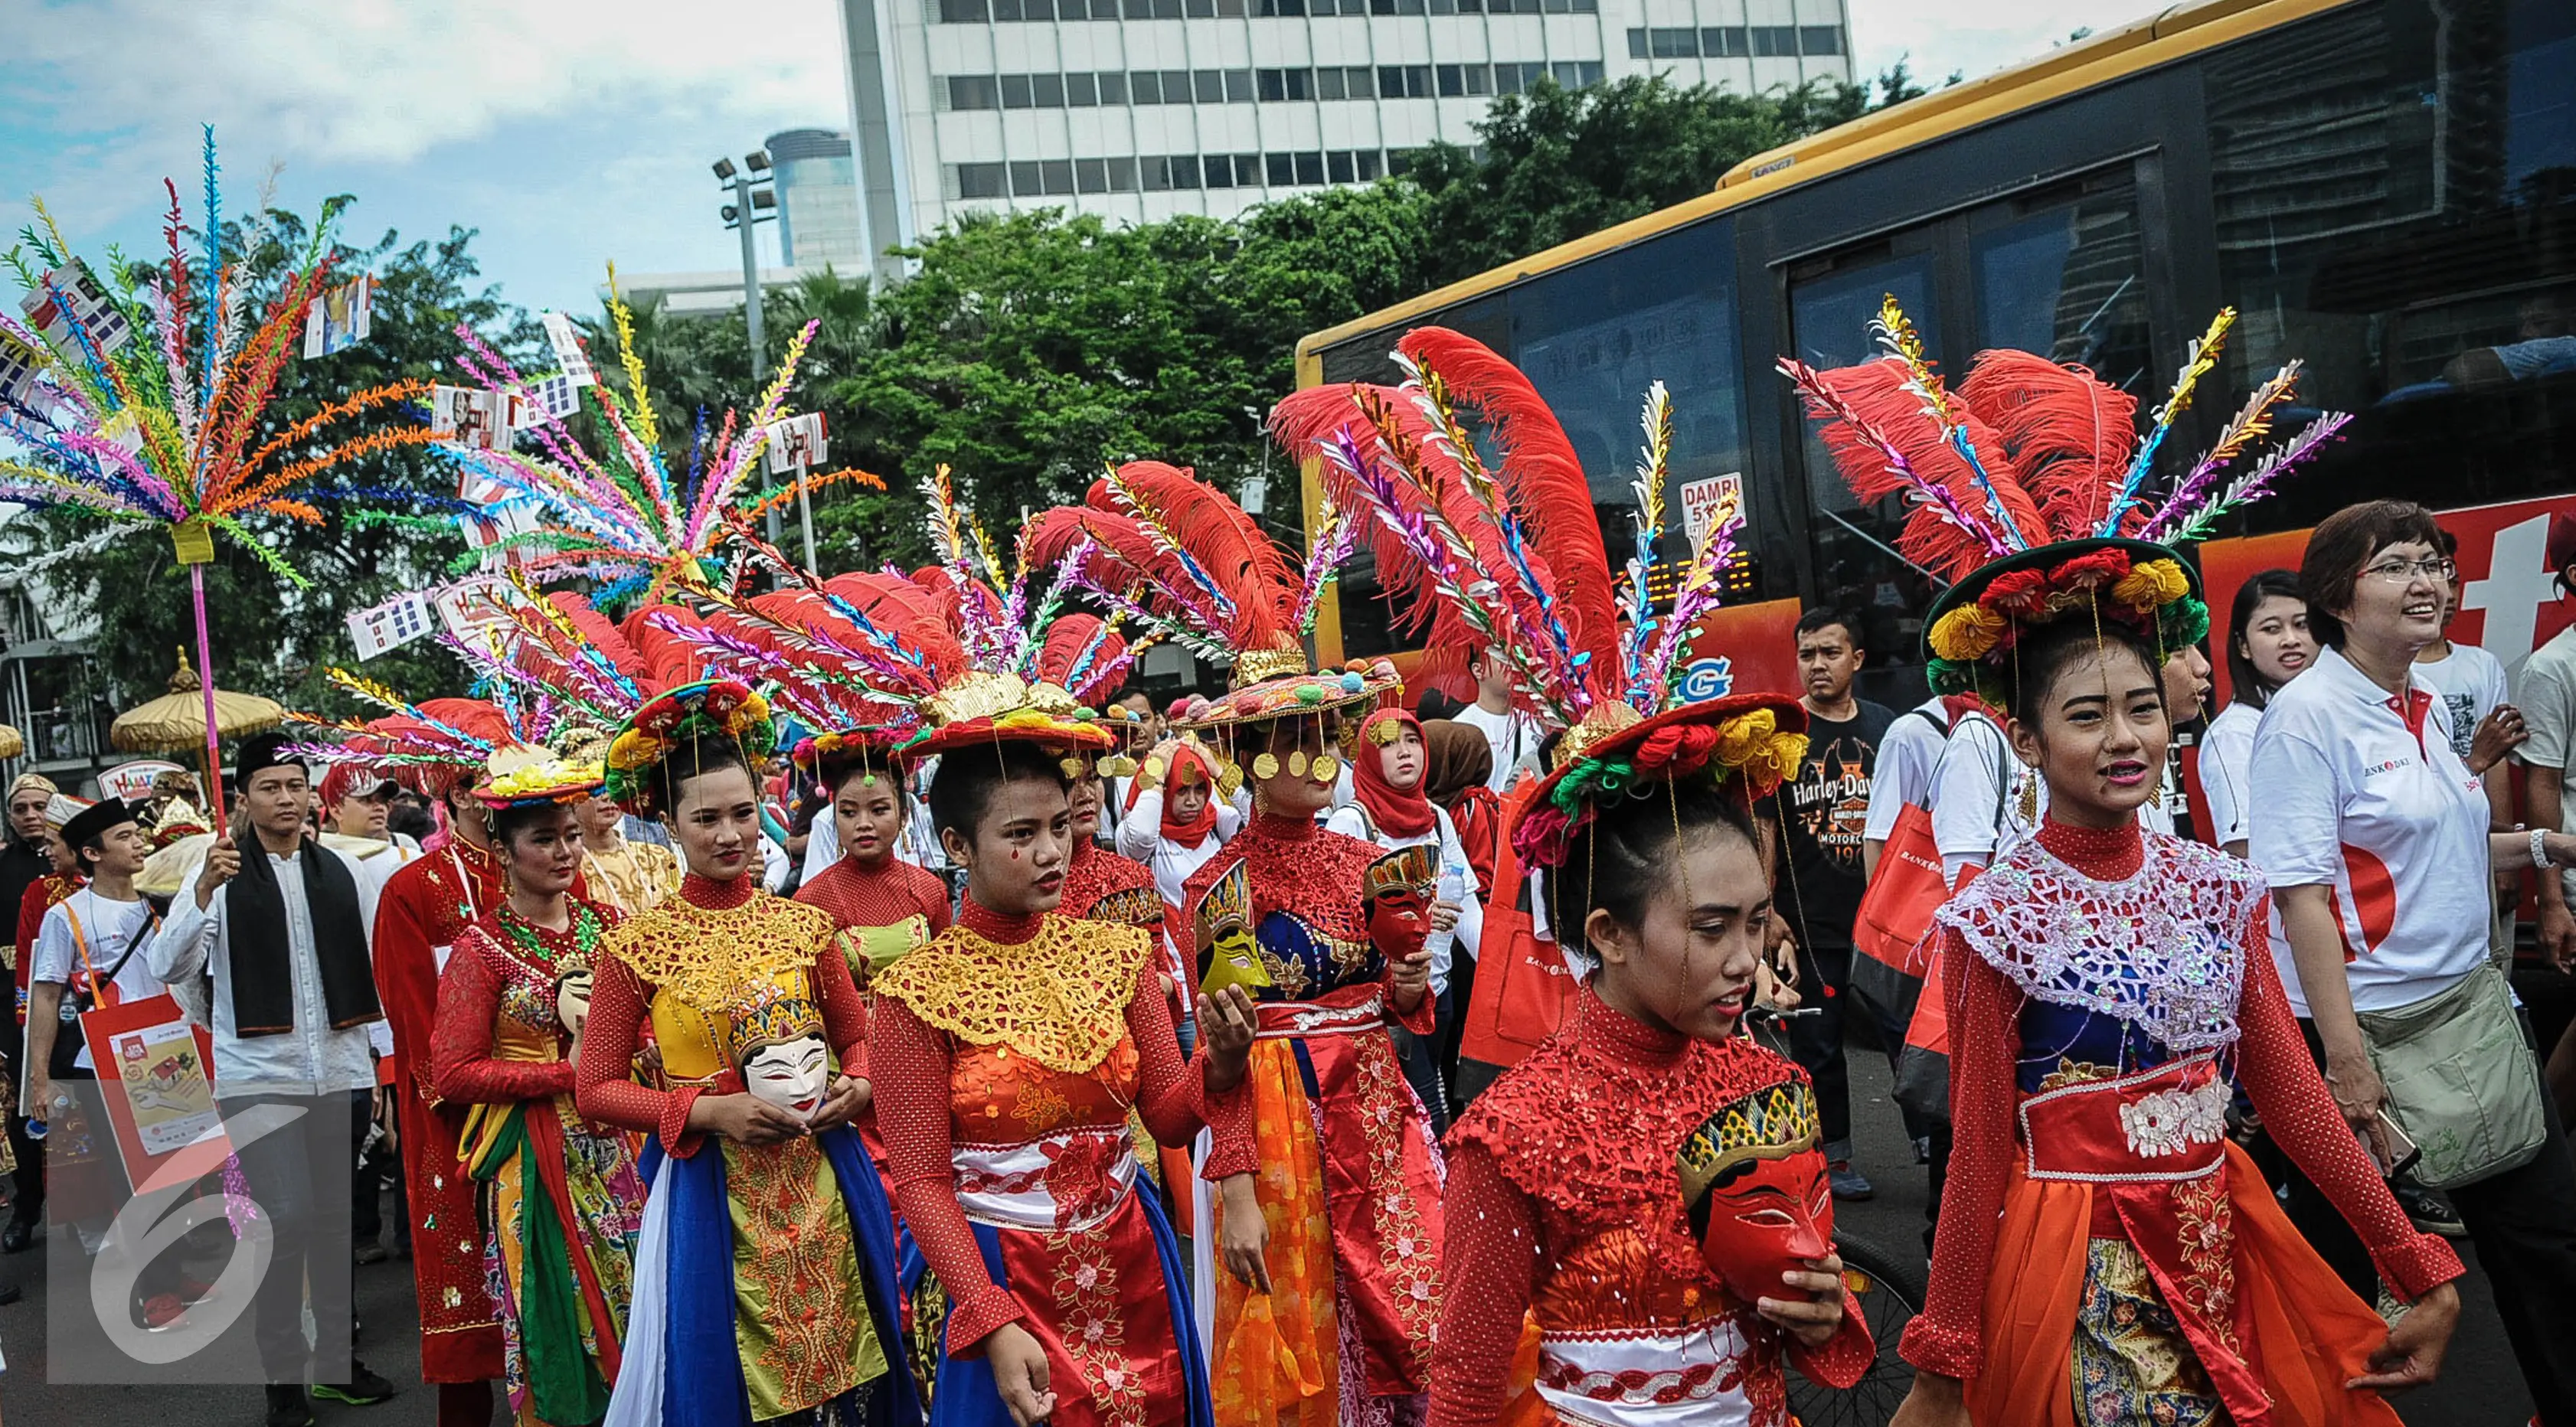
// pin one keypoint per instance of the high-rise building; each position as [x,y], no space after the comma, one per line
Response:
[818,200]
[1142,109]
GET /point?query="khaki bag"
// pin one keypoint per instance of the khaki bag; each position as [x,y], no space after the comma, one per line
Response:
[2462,1082]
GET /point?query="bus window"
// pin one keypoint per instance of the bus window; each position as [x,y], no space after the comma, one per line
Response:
[2062,274]
[1593,337]
[1856,564]
[2392,185]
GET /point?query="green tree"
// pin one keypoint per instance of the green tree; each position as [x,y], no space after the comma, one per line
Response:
[268,636]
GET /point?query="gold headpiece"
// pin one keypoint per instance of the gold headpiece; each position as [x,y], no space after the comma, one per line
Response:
[1768,1124]
[982,694]
[774,1018]
[1606,718]
[1414,868]
[1255,666]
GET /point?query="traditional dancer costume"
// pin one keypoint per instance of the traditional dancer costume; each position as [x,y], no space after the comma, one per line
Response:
[1349,1177]
[424,909]
[1012,1055]
[890,907]
[1584,1197]
[764,1274]
[561,1201]
[2105,1253]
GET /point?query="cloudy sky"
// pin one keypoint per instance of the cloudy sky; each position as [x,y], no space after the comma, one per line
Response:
[568,132]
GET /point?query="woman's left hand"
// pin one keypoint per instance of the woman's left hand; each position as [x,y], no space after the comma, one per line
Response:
[1815,1318]
[850,1095]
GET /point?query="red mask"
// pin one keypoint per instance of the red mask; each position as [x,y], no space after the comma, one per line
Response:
[1753,1180]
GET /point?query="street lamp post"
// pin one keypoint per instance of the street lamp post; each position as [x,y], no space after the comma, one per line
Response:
[755,202]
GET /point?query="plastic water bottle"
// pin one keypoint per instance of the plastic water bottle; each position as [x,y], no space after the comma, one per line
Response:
[1453,890]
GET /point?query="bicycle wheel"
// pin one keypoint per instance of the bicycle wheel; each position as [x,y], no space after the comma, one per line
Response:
[1888,1289]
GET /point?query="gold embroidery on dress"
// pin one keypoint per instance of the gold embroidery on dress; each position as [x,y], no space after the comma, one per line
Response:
[2074,1072]
[1411,1259]
[1086,1288]
[1059,998]
[709,958]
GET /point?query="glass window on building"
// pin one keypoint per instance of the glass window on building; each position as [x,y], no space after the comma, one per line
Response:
[1006,10]
[974,91]
[1055,177]
[1820,39]
[1176,86]
[1672,44]
[1229,9]
[1310,167]
[1081,91]
[1724,42]
[1016,93]
[962,12]
[1775,41]
[1370,164]
[982,181]
[1091,175]
[1452,80]
[1217,170]
[1025,182]
[1041,9]
[1238,85]
[1167,9]
[1122,175]
[1637,43]
[1049,90]
[1329,85]
[1113,87]
[2391,186]
[1337,166]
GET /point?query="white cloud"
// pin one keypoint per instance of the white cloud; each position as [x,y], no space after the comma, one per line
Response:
[1979,38]
[389,81]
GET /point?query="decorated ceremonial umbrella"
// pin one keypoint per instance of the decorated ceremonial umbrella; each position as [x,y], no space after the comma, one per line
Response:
[179,721]
[621,516]
[138,397]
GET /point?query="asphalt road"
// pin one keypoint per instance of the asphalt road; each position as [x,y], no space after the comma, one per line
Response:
[2480,1387]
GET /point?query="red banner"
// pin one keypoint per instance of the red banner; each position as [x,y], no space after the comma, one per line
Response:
[2508,605]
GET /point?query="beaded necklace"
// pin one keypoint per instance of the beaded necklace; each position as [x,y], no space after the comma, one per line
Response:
[535,945]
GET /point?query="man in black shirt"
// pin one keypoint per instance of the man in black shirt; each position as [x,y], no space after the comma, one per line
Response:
[1825,811]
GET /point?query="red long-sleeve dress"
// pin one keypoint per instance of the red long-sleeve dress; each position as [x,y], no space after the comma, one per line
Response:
[2104,1254]
[1564,1200]
[425,907]
[1008,1055]
[1349,1178]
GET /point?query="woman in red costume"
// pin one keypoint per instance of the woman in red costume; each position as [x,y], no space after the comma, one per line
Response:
[1100,885]
[1647,1188]
[890,906]
[560,1198]
[1009,1054]
[1332,1290]
[2106,1253]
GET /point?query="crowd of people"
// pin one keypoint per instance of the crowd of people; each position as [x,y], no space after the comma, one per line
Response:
[859,1002]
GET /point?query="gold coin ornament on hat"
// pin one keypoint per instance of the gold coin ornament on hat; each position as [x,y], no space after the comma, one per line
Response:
[1230,782]
[1265,767]
[1074,767]
[1154,768]
[1297,764]
[1326,768]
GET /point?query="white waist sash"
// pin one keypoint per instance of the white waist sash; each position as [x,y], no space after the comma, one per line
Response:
[1056,1184]
[1646,1379]
[1284,1020]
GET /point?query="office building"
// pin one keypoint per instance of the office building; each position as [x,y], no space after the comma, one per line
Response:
[1143,109]
[818,200]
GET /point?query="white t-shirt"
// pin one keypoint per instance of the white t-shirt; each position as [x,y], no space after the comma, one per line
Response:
[2226,757]
[1979,795]
[2546,693]
[2385,814]
[1140,838]
[1907,753]
[1511,735]
[86,923]
[2470,683]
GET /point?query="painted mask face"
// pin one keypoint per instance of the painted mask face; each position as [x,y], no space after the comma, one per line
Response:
[572,1001]
[1229,957]
[1753,1180]
[789,1074]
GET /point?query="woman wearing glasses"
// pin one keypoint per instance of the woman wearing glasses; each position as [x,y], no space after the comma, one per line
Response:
[2374,836]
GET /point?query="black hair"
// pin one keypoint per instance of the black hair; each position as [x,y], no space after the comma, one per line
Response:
[969,777]
[2046,653]
[410,819]
[837,771]
[508,823]
[2250,687]
[1825,617]
[707,753]
[1627,854]
[2344,544]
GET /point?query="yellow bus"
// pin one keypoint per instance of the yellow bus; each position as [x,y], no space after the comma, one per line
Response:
[2385,189]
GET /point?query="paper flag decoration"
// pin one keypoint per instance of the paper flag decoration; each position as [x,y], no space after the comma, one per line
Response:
[341,318]
[465,416]
[798,444]
[568,353]
[391,625]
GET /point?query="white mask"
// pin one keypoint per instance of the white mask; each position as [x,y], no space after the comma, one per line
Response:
[790,1075]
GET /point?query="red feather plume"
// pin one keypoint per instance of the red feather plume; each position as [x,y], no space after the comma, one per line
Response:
[1066,639]
[2068,432]
[1876,391]
[603,635]
[1220,539]
[1542,475]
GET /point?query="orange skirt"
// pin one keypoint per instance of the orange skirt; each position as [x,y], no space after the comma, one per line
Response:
[2308,1334]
